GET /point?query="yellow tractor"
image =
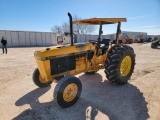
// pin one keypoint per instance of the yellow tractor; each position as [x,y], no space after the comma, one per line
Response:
[60,63]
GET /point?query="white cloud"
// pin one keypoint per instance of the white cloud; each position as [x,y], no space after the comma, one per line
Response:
[145,27]
[137,17]
[151,26]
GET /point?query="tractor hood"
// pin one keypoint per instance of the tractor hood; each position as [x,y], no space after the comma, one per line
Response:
[60,51]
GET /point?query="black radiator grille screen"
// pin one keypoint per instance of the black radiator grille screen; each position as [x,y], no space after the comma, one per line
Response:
[63,64]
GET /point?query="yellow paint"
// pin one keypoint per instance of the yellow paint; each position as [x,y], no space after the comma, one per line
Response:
[70,92]
[82,64]
[125,66]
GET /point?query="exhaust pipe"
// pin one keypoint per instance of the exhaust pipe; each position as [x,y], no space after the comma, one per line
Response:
[118,31]
[71,28]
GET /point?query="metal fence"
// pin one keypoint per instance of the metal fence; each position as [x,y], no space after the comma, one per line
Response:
[85,38]
[28,38]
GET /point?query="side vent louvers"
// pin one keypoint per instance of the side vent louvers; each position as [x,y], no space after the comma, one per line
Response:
[63,64]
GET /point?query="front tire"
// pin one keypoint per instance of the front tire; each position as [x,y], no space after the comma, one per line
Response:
[38,81]
[120,64]
[67,91]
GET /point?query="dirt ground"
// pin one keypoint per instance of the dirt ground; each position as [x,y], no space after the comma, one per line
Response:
[139,99]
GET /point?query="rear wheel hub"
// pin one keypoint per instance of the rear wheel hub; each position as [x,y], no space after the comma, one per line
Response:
[125,66]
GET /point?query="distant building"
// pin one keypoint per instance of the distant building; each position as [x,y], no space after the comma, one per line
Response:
[31,38]
[133,35]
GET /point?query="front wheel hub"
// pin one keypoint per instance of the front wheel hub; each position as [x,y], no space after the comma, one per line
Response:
[70,92]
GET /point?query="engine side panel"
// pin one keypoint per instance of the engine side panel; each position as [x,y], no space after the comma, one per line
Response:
[62,64]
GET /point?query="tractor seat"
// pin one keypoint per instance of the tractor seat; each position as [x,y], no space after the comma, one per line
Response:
[105,42]
[104,45]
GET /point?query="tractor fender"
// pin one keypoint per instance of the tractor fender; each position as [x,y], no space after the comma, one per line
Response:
[110,49]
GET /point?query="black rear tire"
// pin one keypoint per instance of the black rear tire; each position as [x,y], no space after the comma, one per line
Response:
[67,91]
[37,81]
[113,66]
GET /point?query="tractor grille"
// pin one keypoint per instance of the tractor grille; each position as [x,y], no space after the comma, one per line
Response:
[62,64]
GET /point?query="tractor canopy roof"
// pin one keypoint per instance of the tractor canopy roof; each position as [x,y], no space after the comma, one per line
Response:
[98,21]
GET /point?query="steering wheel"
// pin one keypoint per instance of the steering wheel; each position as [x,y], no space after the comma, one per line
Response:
[93,41]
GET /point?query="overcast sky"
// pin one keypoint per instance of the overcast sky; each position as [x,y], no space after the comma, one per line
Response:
[41,15]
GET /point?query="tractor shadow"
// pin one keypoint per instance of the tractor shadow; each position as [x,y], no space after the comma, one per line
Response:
[31,98]
[99,100]
[158,48]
